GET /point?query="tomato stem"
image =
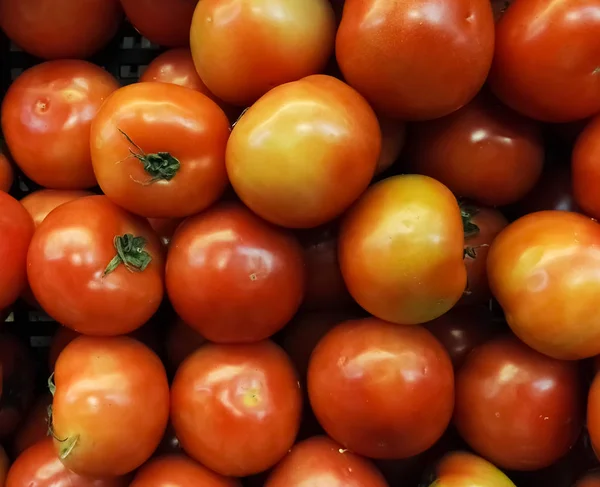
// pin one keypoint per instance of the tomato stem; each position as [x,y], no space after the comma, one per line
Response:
[68,446]
[51,385]
[130,253]
[467,212]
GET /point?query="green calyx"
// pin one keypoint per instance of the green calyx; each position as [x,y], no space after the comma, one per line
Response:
[467,212]
[130,253]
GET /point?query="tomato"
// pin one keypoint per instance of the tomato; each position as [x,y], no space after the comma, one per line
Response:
[162,159]
[304,152]
[39,466]
[401,250]
[7,175]
[593,414]
[60,340]
[500,7]
[77,272]
[40,203]
[591,479]
[516,407]
[182,341]
[529,75]
[351,373]
[484,152]
[393,136]
[586,170]
[221,34]
[34,427]
[482,225]
[325,287]
[165,228]
[46,118]
[164,22]
[233,277]
[236,408]
[461,330]
[544,272]
[16,230]
[110,407]
[462,469]
[179,471]
[396,53]
[60,29]
[320,461]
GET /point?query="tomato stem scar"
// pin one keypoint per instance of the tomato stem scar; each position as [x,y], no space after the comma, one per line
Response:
[130,253]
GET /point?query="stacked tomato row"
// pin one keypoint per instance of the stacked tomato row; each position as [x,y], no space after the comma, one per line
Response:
[273,259]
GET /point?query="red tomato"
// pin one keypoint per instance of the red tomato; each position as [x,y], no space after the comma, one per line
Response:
[482,225]
[16,230]
[325,287]
[351,373]
[39,466]
[59,29]
[60,340]
[233,277]
[165,22]
[77,272]
[111,405]
[591,479]
[401,250]
[289,39]
[393,136]
[179,471]
[165,228]
[586,169]
[236,408]
[34,427]
[46,118]
[7,175]
[593,414]
[528,74]
[304,152]
[484,152]
[461,330]
[182,341]
[462,469]
[162,159]
[396,53]
[320,461]
[516,407]
[544,271]
[40,203]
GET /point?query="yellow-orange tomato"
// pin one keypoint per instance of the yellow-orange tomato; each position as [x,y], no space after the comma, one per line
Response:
[462,469]
[304,152]
[243,48]
[401,250]
[544,270]
[40,203]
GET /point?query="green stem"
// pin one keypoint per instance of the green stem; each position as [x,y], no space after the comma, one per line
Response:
[130,253]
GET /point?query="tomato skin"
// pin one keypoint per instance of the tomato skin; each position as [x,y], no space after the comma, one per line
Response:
[591,479]
[164,22]
[418,218]
[102,384]
[228,249]
[179,471]
[40,203]
[393,137]
[60,29]
[7,174]
[236,408]
[221,33]
[321,461]
[16,230]
[285,165]
[509,418]
[543,270]
[182,341]
[186,124]
[593,418]
[351,373]
[165,228]
[46,117]
[527,74]
[396,54]
[484,152]
[586,170]
[462,469]
[69,254]
[34,427]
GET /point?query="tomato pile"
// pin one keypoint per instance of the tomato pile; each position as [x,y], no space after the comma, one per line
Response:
[319,243]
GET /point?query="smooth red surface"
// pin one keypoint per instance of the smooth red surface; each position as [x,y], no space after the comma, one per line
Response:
[41,202]
[553,191]
[7,174]
[165,228]
[586,168]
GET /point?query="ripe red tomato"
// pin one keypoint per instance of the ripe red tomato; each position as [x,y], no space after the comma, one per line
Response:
[100,275]
[7,175]
[164,22]
[165,228]
[482,226]
[60,29]
[396,53]
[40,203]
[34,427]
[591,479]
[516,407]
[462,469]
[39,466]
[182,341]
[393,136]
[401,250]
[302,154]
[222,33]
[16,230]
[236,408]
[484,152]
[586,169]
[321,461]
[351,373]
[233,277]
[543,269]
[529,76]
[179,471]
[46,118]
[162,159]
[102,387]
